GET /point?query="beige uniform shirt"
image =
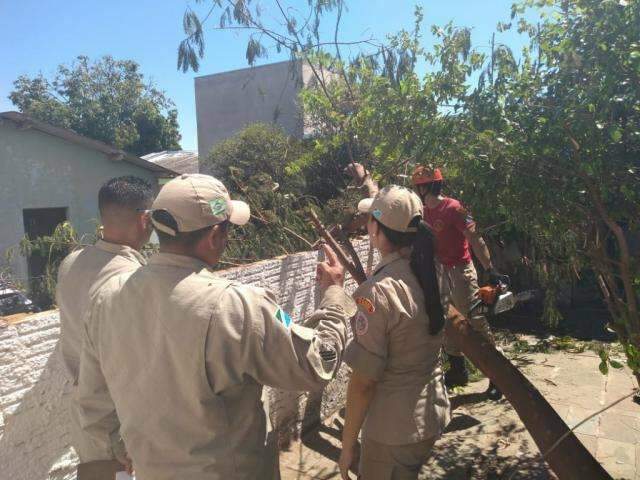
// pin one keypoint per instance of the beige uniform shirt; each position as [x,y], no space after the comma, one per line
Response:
[81,274]
[392,345]
[184,355]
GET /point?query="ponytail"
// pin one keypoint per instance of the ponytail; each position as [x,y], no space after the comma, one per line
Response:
[424,268]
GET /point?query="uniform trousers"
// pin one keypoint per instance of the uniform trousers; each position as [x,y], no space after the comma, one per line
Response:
[379,461]
[460,283]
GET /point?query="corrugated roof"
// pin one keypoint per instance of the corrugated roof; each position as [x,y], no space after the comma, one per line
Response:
[113,153]
[181,161]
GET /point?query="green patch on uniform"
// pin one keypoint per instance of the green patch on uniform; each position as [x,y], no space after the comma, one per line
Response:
[218,206]
[377,213]
[283,317]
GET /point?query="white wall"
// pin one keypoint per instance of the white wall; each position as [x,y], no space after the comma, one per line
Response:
[34,442]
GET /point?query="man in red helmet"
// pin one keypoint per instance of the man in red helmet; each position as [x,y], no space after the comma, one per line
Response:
[456,235]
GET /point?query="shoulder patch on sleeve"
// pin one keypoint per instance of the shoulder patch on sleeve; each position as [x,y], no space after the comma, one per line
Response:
[361,324]
[283,317]
[365,303]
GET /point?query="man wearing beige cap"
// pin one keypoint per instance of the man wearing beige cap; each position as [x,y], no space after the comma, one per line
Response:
[184,354]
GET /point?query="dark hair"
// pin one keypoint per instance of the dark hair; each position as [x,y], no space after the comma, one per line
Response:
[185,239]
[129,192]
[399,239]
[423,267]
[432,188]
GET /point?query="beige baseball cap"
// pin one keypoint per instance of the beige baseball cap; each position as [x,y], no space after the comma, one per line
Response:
[197,201]
[395,207]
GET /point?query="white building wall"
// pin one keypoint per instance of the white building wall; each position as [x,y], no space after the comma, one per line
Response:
[34,441]
[38,170]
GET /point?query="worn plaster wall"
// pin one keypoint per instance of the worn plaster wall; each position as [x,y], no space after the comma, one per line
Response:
[229,101]
[34,441]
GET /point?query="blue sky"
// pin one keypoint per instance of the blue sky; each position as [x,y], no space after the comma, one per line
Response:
[45,33]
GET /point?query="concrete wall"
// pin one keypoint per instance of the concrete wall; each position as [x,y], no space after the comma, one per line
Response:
[38,170]
[34,441]
[229,101]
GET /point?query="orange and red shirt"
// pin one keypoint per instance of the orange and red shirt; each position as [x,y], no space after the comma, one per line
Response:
[448,220]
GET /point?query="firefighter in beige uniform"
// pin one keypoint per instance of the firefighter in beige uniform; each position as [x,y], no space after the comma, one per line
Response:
[184,353]
[122,202]
[396,393]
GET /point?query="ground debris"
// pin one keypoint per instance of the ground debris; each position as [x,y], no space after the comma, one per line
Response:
[486,440]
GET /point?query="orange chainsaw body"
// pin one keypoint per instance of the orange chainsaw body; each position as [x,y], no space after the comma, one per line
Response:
[488,294]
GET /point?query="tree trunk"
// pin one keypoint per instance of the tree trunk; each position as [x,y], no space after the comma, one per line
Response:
[570,459]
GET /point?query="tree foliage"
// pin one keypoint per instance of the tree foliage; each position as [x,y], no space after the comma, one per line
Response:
[260,149]
[107,100]
[253,164]
[543,144]
[546,145]
[53,249]
[284,28]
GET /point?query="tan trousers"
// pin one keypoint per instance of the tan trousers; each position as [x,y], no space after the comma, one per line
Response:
[460,285]
[393,462]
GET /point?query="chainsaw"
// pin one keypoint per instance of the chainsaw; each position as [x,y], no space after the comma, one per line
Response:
[497,298]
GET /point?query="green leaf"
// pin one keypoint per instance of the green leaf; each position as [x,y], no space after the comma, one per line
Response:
[615,364]
[604,356]
[616,134]
[604,369]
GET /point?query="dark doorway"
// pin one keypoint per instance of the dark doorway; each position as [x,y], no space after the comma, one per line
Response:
[42,222]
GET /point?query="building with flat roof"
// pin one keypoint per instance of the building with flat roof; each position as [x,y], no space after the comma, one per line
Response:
[229,101]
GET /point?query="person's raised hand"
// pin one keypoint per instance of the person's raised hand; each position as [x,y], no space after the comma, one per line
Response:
[330,272]
[357,172]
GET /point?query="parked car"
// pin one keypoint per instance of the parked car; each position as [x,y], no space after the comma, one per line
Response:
[13,301]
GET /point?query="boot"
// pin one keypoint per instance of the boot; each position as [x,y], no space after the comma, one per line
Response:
[493,393]
[457,375]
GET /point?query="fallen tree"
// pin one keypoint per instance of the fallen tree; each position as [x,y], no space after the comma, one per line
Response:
[569,459]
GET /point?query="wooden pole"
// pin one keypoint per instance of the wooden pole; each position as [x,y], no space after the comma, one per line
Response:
[358,275]
[343,239]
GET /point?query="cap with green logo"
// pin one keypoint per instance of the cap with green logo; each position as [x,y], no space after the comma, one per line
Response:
[197,201]
[395,207]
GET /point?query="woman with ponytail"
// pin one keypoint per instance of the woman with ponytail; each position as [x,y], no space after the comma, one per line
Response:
[396,393]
